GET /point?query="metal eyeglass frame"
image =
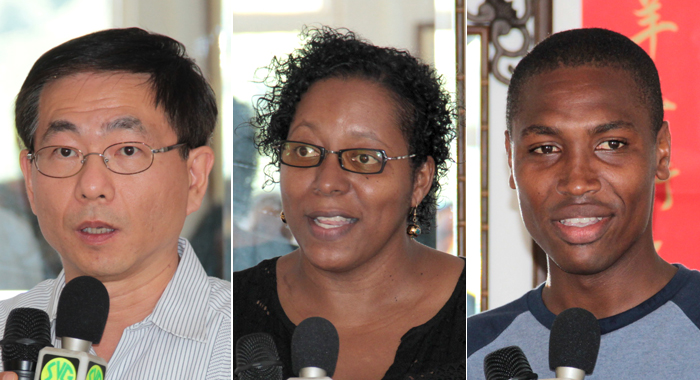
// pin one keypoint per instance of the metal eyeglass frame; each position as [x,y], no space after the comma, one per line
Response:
[32,156]
[323,150]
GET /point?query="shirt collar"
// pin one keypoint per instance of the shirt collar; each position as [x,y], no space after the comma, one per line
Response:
[182,308]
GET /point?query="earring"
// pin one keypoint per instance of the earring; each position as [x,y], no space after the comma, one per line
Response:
[413,229]
[284,219]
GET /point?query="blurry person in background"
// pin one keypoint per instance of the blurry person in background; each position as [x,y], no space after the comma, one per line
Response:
[361,137]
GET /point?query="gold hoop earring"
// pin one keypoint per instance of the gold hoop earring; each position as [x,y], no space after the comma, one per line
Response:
[284,219]
[413,229]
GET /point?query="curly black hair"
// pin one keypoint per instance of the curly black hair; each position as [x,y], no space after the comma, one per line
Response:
[426,111]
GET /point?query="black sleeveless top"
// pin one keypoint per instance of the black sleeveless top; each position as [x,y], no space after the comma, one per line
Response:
[434,350]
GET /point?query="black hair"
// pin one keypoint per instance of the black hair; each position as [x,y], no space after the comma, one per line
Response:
[590,47]
[424,108]
[177,82]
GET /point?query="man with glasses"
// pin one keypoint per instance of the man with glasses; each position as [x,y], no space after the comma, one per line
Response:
[115,126]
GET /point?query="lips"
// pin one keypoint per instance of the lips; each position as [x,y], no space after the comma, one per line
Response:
[96,232]
[330,225]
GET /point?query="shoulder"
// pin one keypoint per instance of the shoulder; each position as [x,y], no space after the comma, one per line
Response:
[255,300]
[220,296]
[484,328]
[39,297]
[688,293]
[255,279]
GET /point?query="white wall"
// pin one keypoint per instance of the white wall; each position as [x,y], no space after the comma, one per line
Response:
[510,246]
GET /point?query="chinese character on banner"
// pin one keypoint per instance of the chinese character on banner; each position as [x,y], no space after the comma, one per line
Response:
[669,31]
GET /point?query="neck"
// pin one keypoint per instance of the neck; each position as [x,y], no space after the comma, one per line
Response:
[364,289]
[608,293]
[131,300]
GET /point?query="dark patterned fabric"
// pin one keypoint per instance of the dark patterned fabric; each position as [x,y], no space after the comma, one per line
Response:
[434,350]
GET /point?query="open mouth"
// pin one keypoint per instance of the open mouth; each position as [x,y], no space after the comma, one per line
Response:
[580,222]
[333,221]
[97,231]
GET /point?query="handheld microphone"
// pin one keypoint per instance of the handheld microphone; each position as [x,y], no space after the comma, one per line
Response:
[27,331]
[315,346]
[257,358]
[574,343]
[508,363]
[81,316]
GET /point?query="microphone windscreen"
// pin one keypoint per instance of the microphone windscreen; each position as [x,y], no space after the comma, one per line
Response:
[257,358]
[315,343]
[574,340]
[83,308]
[507,363]
[27,331]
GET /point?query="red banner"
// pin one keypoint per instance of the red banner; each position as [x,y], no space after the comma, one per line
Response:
[669,30]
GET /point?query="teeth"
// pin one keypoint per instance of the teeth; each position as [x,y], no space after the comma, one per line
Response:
[101,230]
[332,222]
[580,222]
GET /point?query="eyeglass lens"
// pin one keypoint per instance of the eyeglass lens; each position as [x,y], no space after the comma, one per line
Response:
[356,160]
[122,158]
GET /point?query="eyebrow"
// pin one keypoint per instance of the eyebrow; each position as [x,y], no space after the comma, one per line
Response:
[602,128]
[126,122]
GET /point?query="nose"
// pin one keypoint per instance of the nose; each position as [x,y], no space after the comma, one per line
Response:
[578,175]
[94,180]
[330,178]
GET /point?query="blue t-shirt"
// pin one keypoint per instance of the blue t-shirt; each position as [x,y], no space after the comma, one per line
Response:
[657,339]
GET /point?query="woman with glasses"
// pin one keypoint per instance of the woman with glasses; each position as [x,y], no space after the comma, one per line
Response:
[360,135]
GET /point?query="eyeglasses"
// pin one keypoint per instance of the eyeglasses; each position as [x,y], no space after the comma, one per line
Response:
[129,157]
[358,160]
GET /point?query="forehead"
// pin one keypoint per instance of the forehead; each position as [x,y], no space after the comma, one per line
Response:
[93,103]
[353,106]
[584,96]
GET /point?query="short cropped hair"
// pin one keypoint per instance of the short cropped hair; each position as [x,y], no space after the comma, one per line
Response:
[177,82]
[590,47]
[424,109]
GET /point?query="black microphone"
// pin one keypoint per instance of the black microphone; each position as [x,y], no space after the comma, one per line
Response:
[574,343]
[508,363]
[81,316]
[315,346]
[27,331]
[257,358]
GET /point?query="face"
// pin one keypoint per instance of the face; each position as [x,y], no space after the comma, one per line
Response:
[583,161]
[342,219]
[104,224]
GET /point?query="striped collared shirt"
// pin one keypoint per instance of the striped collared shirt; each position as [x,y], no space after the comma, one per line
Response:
[187,336]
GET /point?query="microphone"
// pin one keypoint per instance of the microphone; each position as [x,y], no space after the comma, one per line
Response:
[81,316]
[508,363]
[315,346]
[574,343]
[257,358]
[27,331]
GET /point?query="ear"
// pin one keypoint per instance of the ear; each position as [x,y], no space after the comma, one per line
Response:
[663,152]
[509,150]
[423,181]
[199,164]
[26,167]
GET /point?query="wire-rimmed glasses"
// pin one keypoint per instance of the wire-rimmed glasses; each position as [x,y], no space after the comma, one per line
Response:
[129,157]
[357,160]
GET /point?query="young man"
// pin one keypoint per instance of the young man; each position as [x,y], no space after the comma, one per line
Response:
[585,141]
[115,126]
